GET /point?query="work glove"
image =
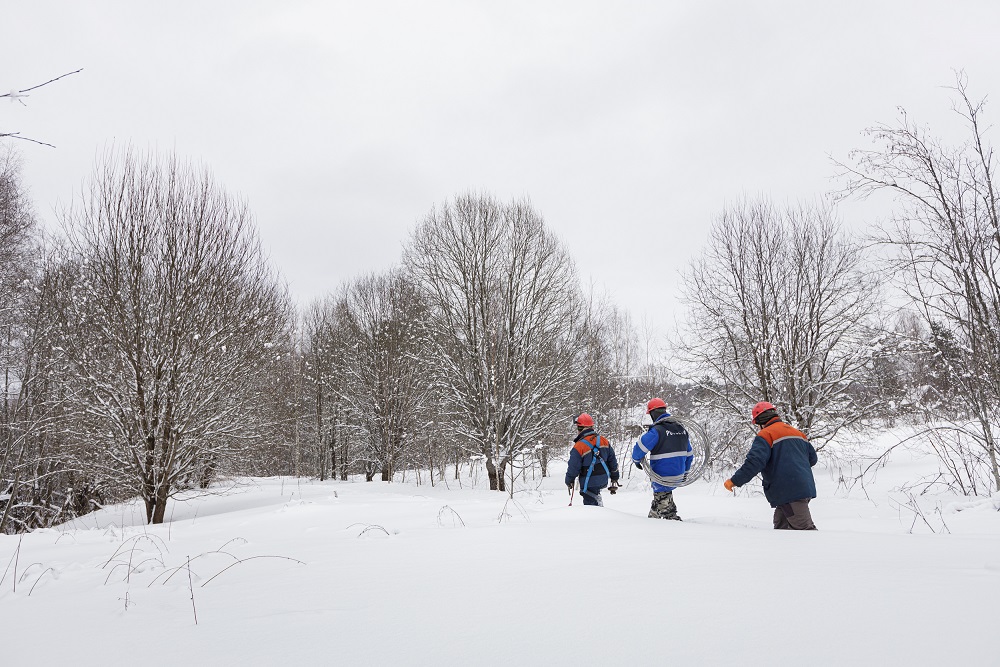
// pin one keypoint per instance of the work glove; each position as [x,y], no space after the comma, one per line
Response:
[613,489]
[637,465]
[569,488]
[729,485]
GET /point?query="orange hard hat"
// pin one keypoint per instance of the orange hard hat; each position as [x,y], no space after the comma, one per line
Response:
[763,406]
[655,403]
[583,419]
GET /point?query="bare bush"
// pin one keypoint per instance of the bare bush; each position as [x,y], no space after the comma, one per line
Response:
[945,252]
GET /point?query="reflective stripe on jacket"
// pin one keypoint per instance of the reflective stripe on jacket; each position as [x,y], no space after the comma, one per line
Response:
[668,447]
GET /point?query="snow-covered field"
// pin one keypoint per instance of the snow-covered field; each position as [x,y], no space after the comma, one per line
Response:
[377,574]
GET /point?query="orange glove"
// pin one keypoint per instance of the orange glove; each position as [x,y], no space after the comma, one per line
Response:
[729,485]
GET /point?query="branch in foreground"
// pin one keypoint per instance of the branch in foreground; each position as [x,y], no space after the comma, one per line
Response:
[16,135]
[16,95]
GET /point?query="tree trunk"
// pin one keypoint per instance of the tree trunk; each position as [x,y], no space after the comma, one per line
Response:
[991,446]
[343,458]
[430,462]
[207,474]
[148,485]
[159,504]
[321,444]
[504,462]
[496,477]
[333,454]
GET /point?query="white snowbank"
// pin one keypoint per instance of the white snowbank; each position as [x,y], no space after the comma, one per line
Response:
[373,574]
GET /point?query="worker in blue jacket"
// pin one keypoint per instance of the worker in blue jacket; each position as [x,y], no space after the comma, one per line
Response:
[592,460]
[784,457]
[668,447]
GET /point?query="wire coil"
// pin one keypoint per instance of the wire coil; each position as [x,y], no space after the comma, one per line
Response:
[700,442]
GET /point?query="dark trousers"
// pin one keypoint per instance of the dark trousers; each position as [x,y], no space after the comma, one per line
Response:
[592,497]
[794,516]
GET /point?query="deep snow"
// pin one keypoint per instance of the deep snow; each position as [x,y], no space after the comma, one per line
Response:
[388,574]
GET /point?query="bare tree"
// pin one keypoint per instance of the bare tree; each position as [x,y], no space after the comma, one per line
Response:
[281,445]
[175,314]
[18,261]
[318,351]
[334,431]
[504,299]
[383,324]
[610,373]
[781,309]
[41,479]
[945,238]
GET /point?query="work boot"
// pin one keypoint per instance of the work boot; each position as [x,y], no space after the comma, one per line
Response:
[663,506]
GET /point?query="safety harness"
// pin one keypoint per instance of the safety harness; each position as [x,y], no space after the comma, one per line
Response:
[595,450]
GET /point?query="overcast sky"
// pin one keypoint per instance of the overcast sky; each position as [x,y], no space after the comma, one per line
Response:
[630,125]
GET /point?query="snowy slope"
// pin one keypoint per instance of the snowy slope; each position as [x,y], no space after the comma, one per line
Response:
[388,574]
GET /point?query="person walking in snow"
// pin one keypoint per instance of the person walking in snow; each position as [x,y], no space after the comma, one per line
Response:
[784,458]
[668,447]
[592,461]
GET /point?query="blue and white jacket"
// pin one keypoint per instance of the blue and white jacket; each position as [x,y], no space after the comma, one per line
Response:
[668,447]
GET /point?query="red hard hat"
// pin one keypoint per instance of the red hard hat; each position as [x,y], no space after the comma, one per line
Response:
[583,419]
[763,406]
[655,403]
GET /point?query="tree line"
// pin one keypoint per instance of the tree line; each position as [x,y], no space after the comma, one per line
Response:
[150,348]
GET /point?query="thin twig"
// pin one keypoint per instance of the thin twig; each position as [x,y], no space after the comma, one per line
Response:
[117,565]
[11,561]
[61,76]
[17,135]
[17,558]
[37,580]
[191,588]
[245,560]
[454,513]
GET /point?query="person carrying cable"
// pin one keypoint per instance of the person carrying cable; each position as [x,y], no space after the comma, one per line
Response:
[668,447]
[592,461]
[784,457]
